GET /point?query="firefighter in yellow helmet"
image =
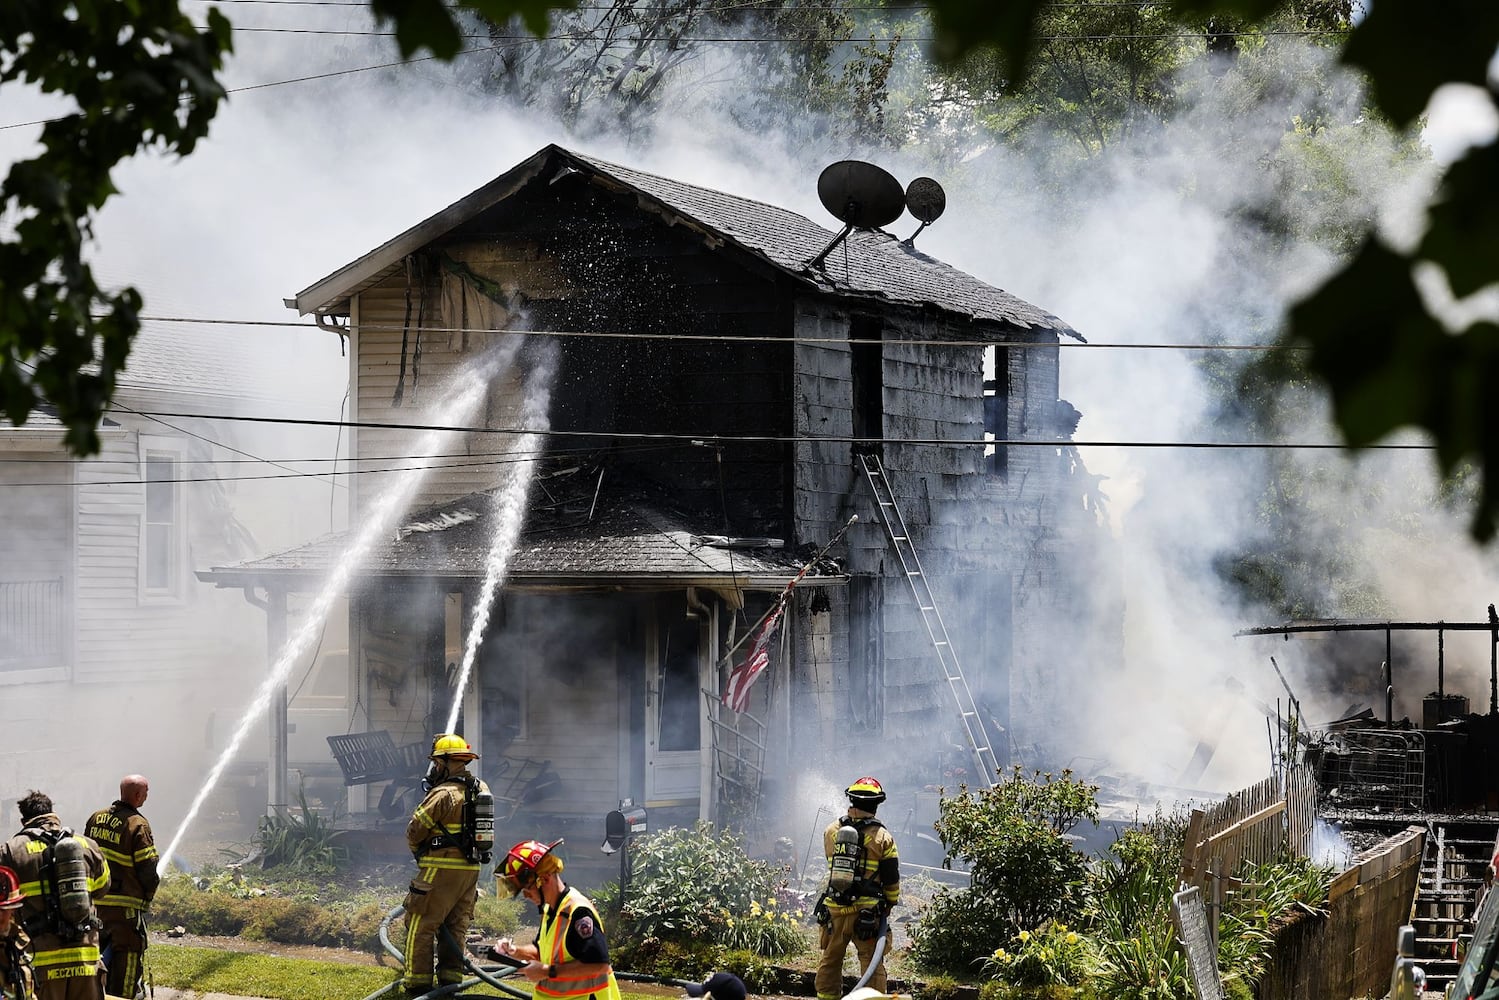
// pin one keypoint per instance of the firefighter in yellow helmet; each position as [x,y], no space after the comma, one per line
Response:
[15,962]
[569,959]
[451,834]
[863,886]
[60,874]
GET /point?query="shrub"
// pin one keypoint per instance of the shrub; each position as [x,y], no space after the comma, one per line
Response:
[1051,955]
[1024,871]
[758,974]
[674,871]
[955,930]
[302,840]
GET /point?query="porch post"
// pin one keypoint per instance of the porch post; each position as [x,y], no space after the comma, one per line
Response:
[275,629]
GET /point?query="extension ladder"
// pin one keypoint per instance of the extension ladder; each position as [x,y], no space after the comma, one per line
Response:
[947,657]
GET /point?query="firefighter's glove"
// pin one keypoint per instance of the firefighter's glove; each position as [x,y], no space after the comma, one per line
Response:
[867,924]
[822,914]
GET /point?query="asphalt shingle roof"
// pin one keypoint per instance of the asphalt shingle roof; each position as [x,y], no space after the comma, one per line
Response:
[632,539]
[878,265]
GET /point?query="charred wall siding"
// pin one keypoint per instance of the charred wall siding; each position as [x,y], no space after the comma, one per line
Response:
[973,530]
[381,363]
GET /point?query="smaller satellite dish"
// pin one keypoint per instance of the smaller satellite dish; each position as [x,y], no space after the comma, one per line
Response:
[925,199]
[861,194]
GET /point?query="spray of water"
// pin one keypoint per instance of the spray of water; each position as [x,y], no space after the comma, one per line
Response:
[509,511]
[459,404]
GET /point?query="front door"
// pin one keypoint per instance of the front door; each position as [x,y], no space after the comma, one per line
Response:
[673,710]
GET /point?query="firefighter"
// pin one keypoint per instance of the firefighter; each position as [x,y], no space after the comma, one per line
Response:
[61,874]
[569,958]
[863,886]
[124,836]
[451,835]
[15,964]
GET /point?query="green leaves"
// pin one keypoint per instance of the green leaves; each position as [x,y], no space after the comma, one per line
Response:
[143,76]
[1409,50]
[1389,364]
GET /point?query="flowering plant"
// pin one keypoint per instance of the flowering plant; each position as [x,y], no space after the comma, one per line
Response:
[1052,954]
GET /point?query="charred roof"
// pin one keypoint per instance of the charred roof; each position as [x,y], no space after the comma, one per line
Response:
[879,267]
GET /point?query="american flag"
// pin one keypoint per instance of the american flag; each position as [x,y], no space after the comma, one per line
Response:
[736,695]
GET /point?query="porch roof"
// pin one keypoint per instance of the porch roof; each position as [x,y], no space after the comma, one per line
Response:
[631,544]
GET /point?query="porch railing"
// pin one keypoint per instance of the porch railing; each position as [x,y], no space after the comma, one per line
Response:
[32,623]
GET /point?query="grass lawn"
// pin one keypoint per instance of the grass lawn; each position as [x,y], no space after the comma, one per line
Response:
[211,970]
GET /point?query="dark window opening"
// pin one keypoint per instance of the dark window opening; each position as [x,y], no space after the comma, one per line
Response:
[680,697]
[867,370]
[997,413]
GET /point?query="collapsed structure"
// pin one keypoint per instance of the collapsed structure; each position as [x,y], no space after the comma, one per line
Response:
[721,393]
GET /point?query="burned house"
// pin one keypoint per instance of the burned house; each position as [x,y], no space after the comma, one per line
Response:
[711,393]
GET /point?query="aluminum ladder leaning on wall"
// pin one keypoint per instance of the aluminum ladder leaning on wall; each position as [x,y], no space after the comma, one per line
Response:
[947,657]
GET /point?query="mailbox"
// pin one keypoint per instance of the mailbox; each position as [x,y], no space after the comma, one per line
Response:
[622,824]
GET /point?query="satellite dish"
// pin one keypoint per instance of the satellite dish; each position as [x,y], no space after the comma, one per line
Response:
[861,195]
[925,199]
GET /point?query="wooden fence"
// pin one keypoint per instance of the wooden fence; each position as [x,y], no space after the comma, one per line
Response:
[1252,826]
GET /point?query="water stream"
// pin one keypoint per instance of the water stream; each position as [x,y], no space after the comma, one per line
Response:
[459,405]
[508,511]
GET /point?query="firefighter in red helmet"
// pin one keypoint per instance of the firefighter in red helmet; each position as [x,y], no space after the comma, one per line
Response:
[569,958]
[863,886]
[451,834]
[15,960]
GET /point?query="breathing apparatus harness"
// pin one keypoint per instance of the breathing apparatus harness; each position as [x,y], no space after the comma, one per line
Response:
[476,841]
[846,881]
[69,912]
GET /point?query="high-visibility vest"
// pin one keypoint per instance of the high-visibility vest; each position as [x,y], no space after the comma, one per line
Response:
[551,946]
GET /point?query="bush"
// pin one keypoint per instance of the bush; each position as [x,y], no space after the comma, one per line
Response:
[1024,871]
[674,871]
[301,841]
[955,930]
[758,974]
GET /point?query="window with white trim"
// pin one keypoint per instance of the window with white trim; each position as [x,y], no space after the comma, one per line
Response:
[162,522]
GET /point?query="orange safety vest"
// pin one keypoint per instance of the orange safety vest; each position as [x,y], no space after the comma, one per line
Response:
[551,946]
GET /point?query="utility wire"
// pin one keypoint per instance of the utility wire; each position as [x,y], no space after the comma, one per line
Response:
[718,439]
[732,338]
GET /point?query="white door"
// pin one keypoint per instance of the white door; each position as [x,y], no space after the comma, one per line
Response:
[673,712]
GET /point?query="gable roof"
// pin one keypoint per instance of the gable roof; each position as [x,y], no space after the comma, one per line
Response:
[879,266]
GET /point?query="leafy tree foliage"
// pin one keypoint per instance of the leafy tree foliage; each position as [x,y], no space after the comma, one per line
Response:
[142,75]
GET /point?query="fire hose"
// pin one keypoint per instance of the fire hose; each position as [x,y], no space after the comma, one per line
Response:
[484,975]
[874,959]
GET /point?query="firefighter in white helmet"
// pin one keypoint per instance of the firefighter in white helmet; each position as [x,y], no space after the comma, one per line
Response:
[569,959]
[863,886]
[451,834]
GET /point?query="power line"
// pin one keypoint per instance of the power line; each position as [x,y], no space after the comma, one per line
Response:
[713,440]
[408,457]
[731,338]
